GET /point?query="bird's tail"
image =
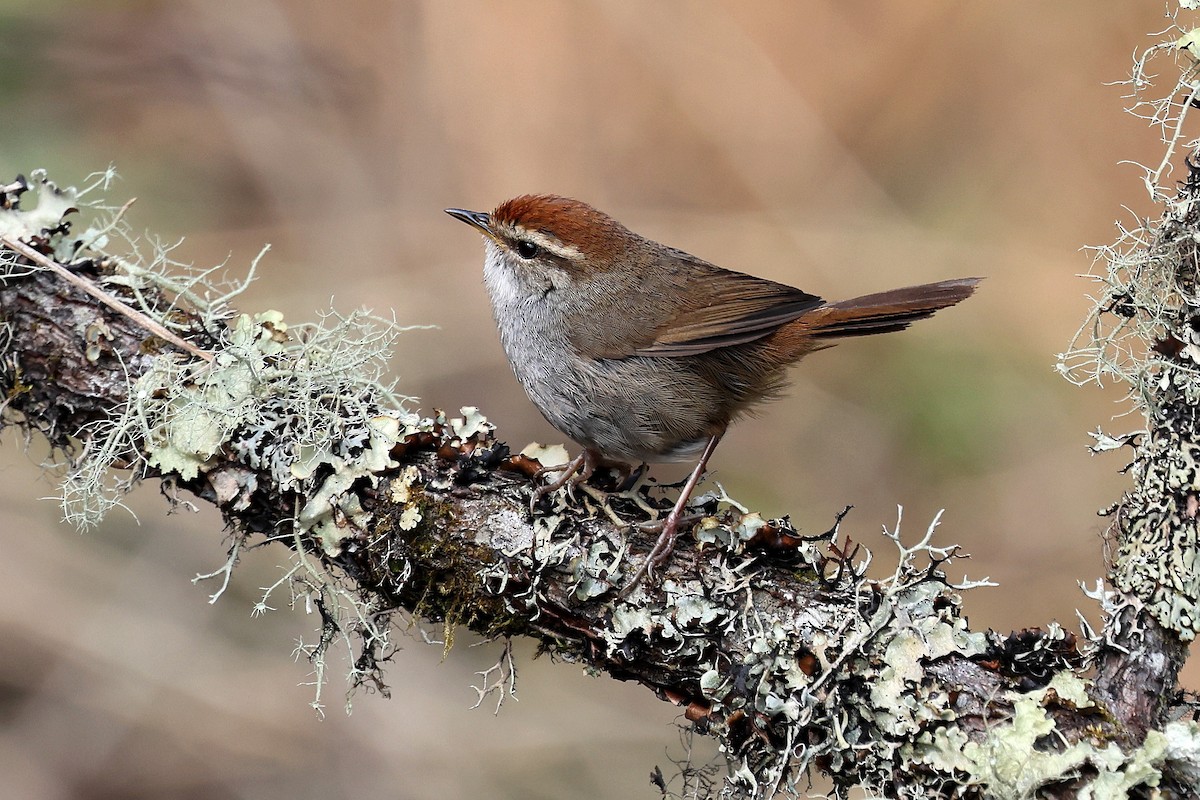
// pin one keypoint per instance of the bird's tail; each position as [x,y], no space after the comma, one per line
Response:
[884,312]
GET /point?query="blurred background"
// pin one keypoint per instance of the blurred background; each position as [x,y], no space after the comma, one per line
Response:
[840,146]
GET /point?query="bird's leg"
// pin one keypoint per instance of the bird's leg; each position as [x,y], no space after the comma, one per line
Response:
[662,549]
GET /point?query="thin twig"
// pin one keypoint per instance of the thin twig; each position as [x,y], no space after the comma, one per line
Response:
[1169,156]
[16,245]
[112,223]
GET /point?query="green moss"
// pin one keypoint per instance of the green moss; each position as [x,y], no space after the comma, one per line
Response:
[150,346]
[19,387]
[805,574]
[445,587]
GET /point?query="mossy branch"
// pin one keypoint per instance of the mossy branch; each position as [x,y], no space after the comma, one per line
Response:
[775,643]
[136,367]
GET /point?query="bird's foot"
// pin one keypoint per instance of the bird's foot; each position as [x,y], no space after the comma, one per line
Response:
[574,472]
[630,488]
[660,553]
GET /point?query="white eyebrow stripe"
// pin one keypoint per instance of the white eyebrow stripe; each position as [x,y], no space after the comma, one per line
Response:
[549,243]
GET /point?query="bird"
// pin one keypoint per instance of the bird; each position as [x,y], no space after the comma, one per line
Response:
[643,353]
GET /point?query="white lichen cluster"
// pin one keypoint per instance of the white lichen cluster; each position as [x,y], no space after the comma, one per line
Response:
[300,401]
[306,407]
[865,688]
[43,210]
[843,683]
[849,686]
[1143,334]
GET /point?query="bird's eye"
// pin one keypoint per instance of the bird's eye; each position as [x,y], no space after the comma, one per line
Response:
[527,249]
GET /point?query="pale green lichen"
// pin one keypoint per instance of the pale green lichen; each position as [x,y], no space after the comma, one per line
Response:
[1190,41]
[1010,764]
[1181,749]
[1013,761]
[900,703]
[190,410]
[943,749]
[626,619]
[892,692]
[274,401]
[551,455]
[332,509]
[1072,689]
[689,606]
[596,570]
[864,678]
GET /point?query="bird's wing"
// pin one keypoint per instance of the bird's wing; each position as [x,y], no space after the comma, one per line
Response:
[714,308]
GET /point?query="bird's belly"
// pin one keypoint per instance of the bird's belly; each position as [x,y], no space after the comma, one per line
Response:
[619,407]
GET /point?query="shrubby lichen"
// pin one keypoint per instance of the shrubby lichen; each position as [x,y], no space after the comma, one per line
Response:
[1143,334]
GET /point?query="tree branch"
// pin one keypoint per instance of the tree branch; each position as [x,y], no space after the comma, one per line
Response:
[135,367]
[775,643]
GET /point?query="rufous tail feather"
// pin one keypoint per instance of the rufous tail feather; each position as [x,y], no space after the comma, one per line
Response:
[885,312]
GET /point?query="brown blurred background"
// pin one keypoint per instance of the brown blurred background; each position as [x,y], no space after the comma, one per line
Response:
[843,147]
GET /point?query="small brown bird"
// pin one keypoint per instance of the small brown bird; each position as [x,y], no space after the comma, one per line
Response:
[644,353]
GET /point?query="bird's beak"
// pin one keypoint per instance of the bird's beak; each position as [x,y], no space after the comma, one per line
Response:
[476,219]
